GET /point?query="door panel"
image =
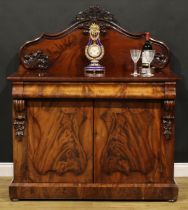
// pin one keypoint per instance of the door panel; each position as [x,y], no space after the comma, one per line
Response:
[60,141]
[127,142]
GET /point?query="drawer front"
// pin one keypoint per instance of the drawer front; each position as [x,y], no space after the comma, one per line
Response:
[91,90]
[60,141]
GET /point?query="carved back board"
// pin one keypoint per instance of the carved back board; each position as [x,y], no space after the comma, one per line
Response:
[63,55]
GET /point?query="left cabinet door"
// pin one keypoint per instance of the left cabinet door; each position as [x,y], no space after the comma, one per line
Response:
[60,141]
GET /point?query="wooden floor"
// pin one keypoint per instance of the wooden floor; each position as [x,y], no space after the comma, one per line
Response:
[6,204]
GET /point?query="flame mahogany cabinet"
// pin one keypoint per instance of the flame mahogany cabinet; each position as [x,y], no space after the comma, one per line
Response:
[108,138]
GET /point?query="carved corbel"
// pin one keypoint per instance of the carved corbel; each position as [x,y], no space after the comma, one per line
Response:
[168,118]
[20,117]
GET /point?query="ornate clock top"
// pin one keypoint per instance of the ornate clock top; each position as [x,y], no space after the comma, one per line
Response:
[94,31]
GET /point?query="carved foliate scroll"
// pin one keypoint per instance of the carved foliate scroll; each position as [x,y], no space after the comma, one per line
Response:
[36,60]
[95,14]
[160,60]
[20,117]
[168,118]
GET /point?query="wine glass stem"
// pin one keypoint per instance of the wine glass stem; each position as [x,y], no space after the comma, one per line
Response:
[135,71]
[149,72]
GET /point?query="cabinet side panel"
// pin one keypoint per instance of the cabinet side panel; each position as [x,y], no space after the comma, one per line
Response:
[60,138]
[127,142]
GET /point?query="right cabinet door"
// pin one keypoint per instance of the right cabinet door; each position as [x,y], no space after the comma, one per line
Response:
[127,142]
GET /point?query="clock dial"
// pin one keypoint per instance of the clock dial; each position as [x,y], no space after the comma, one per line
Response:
[94,50]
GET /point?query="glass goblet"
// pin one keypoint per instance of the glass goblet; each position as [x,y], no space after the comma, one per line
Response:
[149,54]
[135,55]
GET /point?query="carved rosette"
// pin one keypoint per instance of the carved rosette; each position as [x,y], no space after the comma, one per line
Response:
[168,118]
[95,14]
[20,117]
[36,60]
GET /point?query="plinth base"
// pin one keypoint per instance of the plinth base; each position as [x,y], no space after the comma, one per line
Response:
[166,192]
[94,70]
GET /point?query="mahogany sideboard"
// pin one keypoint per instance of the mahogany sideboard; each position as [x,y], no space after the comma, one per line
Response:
[108,138]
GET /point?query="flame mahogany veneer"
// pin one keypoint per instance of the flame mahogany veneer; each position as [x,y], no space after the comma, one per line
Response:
[109,138]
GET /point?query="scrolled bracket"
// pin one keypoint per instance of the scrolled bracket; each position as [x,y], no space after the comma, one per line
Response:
[168,118]
[20,117]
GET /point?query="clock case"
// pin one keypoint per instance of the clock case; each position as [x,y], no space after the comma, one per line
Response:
[94,51]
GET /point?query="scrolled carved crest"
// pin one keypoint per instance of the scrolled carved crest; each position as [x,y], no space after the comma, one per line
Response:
[36,60]
[95,14]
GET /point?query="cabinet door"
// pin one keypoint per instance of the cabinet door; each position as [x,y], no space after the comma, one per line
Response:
[127,142]
[60,141]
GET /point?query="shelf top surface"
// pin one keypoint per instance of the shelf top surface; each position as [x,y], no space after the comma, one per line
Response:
[124,77]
